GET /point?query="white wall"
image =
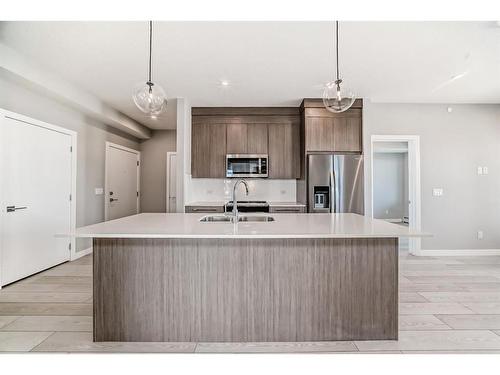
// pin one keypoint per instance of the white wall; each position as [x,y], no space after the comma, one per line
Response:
[452,146]
[183,152]
[153,169]
[390,187]
[18,97]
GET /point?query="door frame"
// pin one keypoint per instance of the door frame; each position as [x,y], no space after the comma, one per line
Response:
[167,185]
[73,134]
[110,145]
[414,194]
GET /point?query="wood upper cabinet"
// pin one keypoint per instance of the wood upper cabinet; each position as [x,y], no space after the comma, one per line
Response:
[284,150]
[332,132]
[208,153]
[236,139]
[217,131]
[257,138]
[246,138]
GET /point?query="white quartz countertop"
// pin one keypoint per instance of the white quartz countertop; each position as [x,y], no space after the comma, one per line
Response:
[180,225]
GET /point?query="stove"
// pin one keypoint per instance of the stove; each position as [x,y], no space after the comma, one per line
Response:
[249,206]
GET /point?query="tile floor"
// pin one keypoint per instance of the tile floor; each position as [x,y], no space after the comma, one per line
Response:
[447,305]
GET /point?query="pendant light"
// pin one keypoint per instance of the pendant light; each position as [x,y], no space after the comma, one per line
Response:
[336,98]
[150,98]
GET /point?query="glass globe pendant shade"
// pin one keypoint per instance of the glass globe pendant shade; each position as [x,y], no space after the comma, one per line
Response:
[336,98]
[149,98]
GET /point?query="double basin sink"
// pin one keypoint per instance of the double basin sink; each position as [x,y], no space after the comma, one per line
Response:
[225,218]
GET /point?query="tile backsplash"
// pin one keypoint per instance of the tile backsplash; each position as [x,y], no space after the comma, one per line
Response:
[220,189]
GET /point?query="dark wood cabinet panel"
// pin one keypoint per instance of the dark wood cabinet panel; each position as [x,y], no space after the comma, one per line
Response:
[347,134]
[319,134]
[208,153]
[332,132]
[246,138]
[236,140]
[257,138]
[284,150]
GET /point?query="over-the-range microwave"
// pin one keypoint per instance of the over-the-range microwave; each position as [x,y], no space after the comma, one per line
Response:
[246,165]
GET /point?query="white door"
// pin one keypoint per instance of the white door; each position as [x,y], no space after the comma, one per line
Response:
[35,201]
[122,181]
[171,182]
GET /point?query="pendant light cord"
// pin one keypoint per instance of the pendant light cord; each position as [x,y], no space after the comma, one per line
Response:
[150,46]
[337,46]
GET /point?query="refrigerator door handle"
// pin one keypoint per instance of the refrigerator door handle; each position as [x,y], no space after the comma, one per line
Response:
[333,195]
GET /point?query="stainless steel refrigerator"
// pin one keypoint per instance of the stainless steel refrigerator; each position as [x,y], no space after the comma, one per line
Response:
[335,183]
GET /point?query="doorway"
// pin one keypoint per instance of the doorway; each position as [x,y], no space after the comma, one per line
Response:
[37,195]
[395,183]
[122,181]
[171,183]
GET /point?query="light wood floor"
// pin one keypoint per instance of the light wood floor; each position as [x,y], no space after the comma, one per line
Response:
[447,305]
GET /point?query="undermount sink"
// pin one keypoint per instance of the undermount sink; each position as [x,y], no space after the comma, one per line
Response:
[224,218]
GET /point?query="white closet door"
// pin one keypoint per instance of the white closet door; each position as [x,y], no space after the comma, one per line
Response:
[122,181]
[36,188]
[172,183]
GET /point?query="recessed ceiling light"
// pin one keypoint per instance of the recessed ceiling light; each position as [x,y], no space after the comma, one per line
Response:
[153,117]
[224,83]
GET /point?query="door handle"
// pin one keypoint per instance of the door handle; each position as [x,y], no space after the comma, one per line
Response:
[14,208]
[113,199]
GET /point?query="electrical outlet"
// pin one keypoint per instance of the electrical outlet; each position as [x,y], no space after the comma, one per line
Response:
[437,192]
[480,235]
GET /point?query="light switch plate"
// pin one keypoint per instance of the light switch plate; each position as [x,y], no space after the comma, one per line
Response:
[485,170]
[437,192]
[99,191]
[480,235]
[479,170]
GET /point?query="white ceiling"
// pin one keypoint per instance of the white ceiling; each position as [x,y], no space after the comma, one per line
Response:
[268,63]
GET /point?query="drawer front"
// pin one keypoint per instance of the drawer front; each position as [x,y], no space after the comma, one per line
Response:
[287,209]
[204,209]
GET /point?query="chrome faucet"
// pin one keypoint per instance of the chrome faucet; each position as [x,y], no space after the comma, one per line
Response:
[235,202]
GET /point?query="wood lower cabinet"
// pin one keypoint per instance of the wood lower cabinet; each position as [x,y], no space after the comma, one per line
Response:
[208,153]
[284,150]
[332,132]
[284,209]
[204,209]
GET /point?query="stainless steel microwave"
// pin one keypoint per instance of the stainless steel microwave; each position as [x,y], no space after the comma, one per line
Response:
[246,165]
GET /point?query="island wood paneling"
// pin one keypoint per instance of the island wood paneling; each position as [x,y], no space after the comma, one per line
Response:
[242,290]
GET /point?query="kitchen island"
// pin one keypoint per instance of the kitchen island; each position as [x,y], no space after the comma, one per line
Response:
[301,277]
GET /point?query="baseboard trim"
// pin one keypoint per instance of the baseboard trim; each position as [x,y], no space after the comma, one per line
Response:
[81,253]
[458,252]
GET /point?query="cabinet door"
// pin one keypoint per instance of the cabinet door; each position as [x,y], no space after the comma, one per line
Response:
[319,133]
[284,150]
[204,209]
[208,154]
[257,138]
[237,139]
[347,134]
